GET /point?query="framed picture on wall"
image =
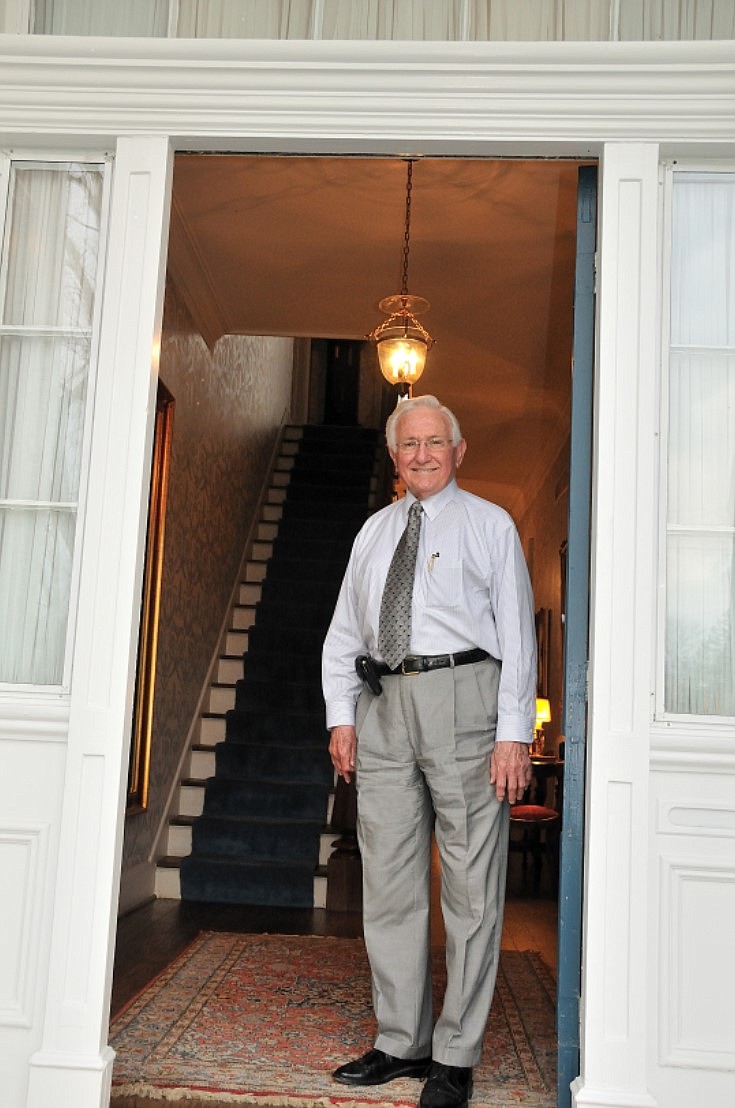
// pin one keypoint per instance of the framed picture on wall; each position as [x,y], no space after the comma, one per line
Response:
[543,641]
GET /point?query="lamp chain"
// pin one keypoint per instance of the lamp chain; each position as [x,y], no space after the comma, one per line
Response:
[407,232]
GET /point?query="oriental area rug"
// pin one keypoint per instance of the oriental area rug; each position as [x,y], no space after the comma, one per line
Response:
[264,1019]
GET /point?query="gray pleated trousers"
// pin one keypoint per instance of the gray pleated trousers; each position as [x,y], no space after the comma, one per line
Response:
[423,763]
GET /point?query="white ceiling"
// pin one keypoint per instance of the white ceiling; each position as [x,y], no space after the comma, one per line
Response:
[308,246]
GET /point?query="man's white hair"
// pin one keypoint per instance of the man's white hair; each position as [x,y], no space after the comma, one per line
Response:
[404,406]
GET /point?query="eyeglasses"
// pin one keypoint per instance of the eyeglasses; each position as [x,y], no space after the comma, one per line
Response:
[410,446]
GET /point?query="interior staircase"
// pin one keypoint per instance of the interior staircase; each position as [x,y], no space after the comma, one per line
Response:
[253,824]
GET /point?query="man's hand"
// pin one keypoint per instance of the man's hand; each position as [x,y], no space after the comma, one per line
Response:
[510,770]
[342,749]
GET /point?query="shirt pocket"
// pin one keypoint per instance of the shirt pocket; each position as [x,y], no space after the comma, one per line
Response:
[444,584]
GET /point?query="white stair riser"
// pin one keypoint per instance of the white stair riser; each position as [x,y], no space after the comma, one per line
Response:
[243,618]
[191,800]
[179,841]
[326,846]
[236,642]
[250,594]
[202,764]
[261,551]
[320,892]
[230,670]
[221,699]
[211,731]
[255,572]
[168,883]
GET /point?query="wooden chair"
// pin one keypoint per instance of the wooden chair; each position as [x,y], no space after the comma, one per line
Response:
[535,827]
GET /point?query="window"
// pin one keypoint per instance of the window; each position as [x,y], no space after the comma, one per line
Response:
[48,279]
[700,467]
[100,17]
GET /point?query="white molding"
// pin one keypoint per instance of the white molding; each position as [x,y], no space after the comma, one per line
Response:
[15,17]
[693,745]
[696,1022]
[697,816]
[367,96]
[24,870]
[34,719]
[615,983]
[73,1066]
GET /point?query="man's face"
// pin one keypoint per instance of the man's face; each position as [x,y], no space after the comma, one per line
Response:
[426,469]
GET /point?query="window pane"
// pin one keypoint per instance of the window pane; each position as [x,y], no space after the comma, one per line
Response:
[703,289]
[51,246]
[280,19]
[36,554]
[702,440]
[49,273]
[43,393]
[100,17]
[700,538]
[700,635]
[392,19]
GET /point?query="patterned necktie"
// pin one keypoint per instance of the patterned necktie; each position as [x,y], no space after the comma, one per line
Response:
[394,634]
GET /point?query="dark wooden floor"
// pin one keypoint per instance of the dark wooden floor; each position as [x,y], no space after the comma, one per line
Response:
[150,937]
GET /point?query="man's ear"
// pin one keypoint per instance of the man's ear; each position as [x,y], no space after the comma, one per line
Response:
[460,448]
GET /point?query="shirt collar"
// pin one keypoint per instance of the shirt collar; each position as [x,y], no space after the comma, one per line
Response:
[432,505]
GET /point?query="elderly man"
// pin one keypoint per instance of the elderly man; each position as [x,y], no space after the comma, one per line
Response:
[433,713]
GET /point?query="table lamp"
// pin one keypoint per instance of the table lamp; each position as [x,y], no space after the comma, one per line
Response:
[543,715]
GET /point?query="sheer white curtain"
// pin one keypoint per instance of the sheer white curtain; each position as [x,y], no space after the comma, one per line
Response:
[279,19]
[100,17]
[700,552]
[677,20]
[49,269]
[416,20]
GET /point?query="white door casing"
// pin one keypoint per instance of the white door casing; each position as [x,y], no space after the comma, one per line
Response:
[74,1066]
[628,104]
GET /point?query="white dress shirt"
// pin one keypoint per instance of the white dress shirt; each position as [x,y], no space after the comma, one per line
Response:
[471,589]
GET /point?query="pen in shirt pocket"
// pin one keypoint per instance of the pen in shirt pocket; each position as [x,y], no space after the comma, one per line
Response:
[432,559]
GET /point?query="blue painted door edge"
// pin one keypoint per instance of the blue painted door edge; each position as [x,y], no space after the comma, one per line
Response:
[576,639]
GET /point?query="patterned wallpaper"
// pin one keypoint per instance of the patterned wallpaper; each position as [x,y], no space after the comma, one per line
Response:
[230,403]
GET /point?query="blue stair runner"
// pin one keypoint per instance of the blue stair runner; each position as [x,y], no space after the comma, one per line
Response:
[257,840]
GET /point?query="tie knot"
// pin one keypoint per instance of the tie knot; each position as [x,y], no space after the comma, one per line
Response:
[415,509]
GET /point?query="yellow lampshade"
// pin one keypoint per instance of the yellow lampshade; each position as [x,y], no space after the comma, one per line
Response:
[543,711]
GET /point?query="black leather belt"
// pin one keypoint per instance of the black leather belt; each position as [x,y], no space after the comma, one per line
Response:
[422,663]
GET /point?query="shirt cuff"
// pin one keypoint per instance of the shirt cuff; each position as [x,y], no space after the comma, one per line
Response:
[514,729]
[340,713]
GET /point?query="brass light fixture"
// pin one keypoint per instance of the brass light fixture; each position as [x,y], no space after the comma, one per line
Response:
[402,342]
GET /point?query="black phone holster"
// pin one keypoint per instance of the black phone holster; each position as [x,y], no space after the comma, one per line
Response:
[366,671]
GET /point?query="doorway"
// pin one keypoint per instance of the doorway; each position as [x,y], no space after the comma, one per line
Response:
[307,246]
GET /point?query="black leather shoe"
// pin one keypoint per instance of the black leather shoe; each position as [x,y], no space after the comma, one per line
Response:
[447,1087]
[376,1067]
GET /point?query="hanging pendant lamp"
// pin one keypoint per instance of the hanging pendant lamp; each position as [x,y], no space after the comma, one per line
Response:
[402,342]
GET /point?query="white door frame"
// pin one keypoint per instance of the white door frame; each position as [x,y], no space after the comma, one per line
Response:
[628,104]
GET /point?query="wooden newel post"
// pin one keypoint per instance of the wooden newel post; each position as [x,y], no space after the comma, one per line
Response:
[344,868]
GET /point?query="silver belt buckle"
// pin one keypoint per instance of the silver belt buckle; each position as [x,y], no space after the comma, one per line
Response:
[409,672]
